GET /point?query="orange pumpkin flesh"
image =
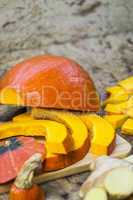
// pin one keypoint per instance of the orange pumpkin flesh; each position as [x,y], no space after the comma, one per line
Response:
[49,81]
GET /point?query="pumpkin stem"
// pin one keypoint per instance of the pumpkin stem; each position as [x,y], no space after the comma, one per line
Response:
[24,179]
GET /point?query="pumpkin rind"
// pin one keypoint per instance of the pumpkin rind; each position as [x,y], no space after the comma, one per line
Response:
[103,134]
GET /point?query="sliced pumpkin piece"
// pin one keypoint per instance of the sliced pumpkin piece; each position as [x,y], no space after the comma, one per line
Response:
[79,133]
[129,112]
[116,108]
[103,134]
[120,108]
[57,138]
[116,120]
[127,84]
[58,161]
[127,127]
[120,103]
[77,128]
[116,95]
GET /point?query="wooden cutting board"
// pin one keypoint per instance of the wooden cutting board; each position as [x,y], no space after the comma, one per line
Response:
[123,149]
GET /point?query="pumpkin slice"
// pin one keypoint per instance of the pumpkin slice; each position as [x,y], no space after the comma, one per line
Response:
[77,128]
[116,95]
[57,138]
[129,112]
[14,152]
[57,161]
[116,108]
[127,127]
[120,108]
[116,120]
[119,105]
[103,134]
[127,84]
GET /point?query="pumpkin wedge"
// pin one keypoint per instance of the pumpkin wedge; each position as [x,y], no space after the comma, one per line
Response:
[57,138]
[119,105]
[103,134]
[54,162]
[116,120]
[129,112]
[127,84]
[78,130]
[49,81]
[116,108]
[116,94]
[127,127]
[120,108]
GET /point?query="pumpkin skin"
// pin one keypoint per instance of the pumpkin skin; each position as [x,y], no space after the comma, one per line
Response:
[49,81]
[14,154]
[34,193]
